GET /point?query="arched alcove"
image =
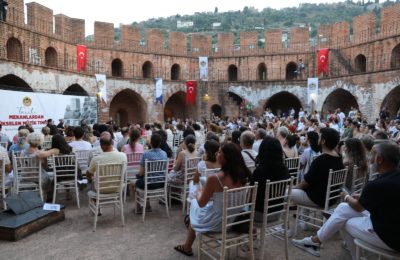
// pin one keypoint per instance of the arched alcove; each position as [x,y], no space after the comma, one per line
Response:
[12,82]
[395,57]
[14,49]
[147,70]
[117,68]
[339,98]
[262,71]
[392,102]
[75,90]
[360,63]
[50,57]
[282,102]
[175,72]
[129,107]
[291,71]
[176,106]
[216,110]
[232,73]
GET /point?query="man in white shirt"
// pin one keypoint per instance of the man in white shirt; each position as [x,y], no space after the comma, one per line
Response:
[341,117]
[249,155]
[79,144]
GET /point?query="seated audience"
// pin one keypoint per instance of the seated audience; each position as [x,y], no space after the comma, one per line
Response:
[371,216]
[312,190]
[270,166]
[249,155]
[309,153]
[133,145]
[79,144]
[354,155]
[154,154]
[206,216]
[177,174]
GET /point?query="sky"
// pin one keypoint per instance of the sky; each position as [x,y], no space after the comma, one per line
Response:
[126,12]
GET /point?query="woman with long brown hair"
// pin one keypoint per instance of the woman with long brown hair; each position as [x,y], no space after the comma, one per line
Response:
[205,216]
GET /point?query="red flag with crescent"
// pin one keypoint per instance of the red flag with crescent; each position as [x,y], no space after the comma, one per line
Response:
[191,92]
[323,55]
[81,57]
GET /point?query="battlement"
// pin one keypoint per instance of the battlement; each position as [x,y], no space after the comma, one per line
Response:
[72,30]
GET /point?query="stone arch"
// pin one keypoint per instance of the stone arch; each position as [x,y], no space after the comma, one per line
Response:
[175,72]
[176,107]
[282,102]
[117,68]
[75,90]
[216,110]
[339,98]
[291,71]
[12,82]
[147,70]
[262,71]
[232,73]
[50,57]
[128,106]
[392,101]
[395,57]
[360,63]
[14,49]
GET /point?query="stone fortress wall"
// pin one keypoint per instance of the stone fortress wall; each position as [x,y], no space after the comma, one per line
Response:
[40,54]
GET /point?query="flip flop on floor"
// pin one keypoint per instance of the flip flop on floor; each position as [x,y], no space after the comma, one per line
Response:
[181,249]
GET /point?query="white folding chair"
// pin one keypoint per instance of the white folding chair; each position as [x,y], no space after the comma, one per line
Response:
[357,184]
[27,174]
[374,250]
[175,144]
[65,170]
[276,207]
[4,191]
[4,144]
[46,145]
[82,158]
[313,215]
[238,208]
[155,173]
[293,166]
[179,192]
[132,168]
[108,183]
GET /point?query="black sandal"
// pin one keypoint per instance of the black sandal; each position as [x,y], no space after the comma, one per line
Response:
[181,249]
[186,220]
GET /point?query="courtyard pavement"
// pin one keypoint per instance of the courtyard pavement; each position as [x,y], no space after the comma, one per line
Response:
[154,239]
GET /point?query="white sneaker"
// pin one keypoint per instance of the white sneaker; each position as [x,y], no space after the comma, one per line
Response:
[308,245]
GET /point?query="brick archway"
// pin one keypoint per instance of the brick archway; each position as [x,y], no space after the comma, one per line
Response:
[12,82]
[339,98]
[392,102]
[128,106]
[176,107]
[282,102]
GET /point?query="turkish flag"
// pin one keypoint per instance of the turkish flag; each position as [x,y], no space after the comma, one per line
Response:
[81,57]
[323,55]
[191,92]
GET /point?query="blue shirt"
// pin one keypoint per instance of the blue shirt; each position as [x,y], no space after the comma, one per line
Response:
[154,155]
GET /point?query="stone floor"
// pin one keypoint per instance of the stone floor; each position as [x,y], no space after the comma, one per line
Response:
[154,239]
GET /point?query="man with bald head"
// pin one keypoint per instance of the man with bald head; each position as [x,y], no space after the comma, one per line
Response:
[108,155]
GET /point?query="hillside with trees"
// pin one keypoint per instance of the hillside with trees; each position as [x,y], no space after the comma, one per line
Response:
[251,19]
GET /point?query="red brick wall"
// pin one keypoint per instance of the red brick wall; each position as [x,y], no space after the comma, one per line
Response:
[364,27]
